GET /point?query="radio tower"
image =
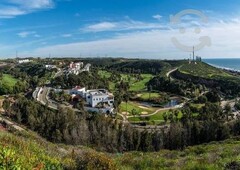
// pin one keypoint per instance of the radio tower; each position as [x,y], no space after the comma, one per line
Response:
[193,54]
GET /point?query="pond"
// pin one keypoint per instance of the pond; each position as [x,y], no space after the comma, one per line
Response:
[172,103]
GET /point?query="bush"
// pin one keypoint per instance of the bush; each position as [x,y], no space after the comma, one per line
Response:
[94,161]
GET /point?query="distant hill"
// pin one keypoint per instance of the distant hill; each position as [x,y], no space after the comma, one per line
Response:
[144,66]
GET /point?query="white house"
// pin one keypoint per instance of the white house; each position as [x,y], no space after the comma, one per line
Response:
[95,97]
[78,91]
[99,100]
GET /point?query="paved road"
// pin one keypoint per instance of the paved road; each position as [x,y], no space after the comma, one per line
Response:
[171,71]
[43,98]
[12,124]
[59,73]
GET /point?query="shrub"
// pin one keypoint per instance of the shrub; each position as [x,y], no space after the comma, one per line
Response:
[94,161]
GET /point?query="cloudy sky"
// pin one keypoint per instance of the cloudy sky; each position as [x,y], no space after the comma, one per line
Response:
[120,28]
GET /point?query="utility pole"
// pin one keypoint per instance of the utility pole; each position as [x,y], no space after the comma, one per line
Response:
[16,54]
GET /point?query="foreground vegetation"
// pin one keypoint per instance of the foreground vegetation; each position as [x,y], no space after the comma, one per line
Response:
[28,151]
[222,155]
[18,152]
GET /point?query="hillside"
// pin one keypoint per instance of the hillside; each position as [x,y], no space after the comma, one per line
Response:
[201,73]
[28,151]
[204,70]
[216,155]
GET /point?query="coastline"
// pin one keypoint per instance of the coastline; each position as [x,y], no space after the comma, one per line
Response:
[223,68]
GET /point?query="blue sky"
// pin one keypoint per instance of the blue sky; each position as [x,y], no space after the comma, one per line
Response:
[117,28]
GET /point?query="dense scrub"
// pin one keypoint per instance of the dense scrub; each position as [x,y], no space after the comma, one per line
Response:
[220,156]
[28,151]
[24,153]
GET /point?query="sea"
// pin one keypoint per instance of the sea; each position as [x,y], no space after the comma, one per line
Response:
[226,63]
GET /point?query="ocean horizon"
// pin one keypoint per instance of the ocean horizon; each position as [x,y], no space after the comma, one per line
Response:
[226,63]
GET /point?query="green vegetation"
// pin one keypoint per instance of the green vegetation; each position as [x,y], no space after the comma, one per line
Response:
[220,156]
[104,74]
[130,106]
[158,117]
[24,153]
[135,85]
[203,70]
[28,151]
[146,95]
[7,84]
[204,74]
[8,80]
[141,85]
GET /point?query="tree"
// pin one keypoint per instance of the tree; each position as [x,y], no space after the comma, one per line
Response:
[6,105]
[213,96]
[227,111]
[134,112]
[126,99]
[150,90]
[165,117]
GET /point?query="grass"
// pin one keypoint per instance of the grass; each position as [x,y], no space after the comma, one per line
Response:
[204,70]
[145,95]
[133,105]
[8,80]
[157,117]
[134,84]
[104,73]
[141,85]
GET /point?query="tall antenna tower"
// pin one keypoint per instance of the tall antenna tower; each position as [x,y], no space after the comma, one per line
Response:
[193,54]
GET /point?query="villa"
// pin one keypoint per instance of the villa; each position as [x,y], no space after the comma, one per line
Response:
[100,96]
[77,68]
[99,100]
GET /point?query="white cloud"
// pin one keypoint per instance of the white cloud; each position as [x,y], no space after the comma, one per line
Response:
[32,4]
[103,26]
[158,17]
[13,8]
[121,26]
[25,34]
[156,44]
[66,35]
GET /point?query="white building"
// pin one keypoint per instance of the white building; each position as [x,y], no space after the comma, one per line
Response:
[99,100]
[100,96]
[77,68]
[24,61]
[78,91]
[50,66]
